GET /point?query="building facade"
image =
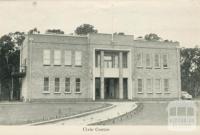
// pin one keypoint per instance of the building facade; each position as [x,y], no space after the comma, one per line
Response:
[99,66]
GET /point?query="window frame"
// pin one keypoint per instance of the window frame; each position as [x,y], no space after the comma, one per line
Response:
[69,83]
[140,65]
[160,86]
[57,92]
[76,58]
[149,91]
[159,61]
[142,91]
[67,54]
[167,61]
[55,59]
[168,91]
[44,91]
[77,85]
[150,60]
[46,58]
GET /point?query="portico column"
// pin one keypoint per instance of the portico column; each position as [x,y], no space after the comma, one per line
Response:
[102,74]
[120,76]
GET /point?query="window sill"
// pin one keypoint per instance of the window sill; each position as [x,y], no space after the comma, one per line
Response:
[68,92]
[148,67]
[165,67]
[57,65]
[68,65]
[46,64]
[45,92]
[140,93]
[57,92]
[139,67]
[77,92]
[149,92]
[78,65]
[158,92]
[157,67]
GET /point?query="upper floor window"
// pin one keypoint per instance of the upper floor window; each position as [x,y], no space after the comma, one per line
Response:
[78,58]
[78,85]
[68,57]
[57,84]
[140,85]
[148,60]
[97,59]
[57,57]
[158,85]
[157,61]
[124,60]
[165,61]
[116,61]
[67,85]
[46,57]
[166,85]
[139,59]
[149,85]
[46,84]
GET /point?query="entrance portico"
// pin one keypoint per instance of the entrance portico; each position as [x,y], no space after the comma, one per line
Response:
[111,74]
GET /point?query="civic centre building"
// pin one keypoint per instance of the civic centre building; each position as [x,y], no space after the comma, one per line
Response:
[98,67]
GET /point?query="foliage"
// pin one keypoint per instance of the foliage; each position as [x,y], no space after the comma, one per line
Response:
[85,29]
[34,31]
[119,33]
[55,31]
[190,70]
[152,37]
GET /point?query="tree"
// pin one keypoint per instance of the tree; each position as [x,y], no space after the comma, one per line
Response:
[120,33]
[152,37]
[9,58]
[34,31]
[190,70]
[54,31]
[85,29]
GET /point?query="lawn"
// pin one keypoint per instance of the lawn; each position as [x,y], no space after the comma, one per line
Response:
[152,114]
[24,113]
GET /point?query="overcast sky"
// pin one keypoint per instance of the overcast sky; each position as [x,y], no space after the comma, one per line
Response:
[177,20]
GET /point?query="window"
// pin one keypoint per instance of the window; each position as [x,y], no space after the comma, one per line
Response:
[46,57]
[124,60]
[78,85]
[67,85]
[68,58]
[148,60]
[97,59]
[166,85]
[46,84]
[149,85]
[139,60]
[108,61]
[157,61]
[157,85]
[140,86]
[165,61]
[57,57]
[78,58]
[116,61]
[57,84]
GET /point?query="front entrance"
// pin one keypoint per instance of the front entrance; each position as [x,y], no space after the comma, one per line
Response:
[111,88]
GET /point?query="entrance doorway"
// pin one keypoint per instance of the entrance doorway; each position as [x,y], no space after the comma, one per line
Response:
[111,87]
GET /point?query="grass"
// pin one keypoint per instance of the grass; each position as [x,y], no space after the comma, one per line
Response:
[152,114]
[24,113]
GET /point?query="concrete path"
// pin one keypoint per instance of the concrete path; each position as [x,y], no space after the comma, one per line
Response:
[120,109]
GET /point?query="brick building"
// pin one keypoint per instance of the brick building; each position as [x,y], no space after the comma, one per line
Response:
[99,66]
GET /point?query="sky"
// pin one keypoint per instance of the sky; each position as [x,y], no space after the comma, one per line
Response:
[177,20]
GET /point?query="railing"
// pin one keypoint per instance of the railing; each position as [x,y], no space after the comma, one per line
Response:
[21,73]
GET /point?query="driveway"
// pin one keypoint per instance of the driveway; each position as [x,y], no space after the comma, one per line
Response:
[119,109]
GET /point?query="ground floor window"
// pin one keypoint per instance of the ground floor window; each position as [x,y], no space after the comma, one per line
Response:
[78,85]
[67,85]
[140,85]
[57,84]
[166,85]
[46,83]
